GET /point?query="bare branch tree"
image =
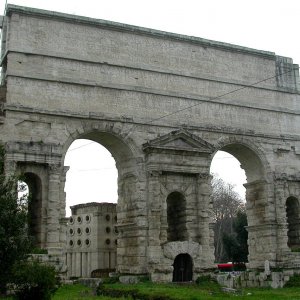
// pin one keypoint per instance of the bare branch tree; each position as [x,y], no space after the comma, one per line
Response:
[226,204]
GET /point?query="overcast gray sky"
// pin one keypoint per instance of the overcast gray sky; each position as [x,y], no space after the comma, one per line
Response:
[271,25]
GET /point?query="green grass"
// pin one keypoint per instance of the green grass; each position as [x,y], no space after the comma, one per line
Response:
[179,292]
[76,292]
[210,291]
[176,291]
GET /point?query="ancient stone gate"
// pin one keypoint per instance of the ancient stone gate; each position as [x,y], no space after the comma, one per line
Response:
[162,104]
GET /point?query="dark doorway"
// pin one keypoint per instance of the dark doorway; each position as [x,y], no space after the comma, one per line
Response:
[183,268]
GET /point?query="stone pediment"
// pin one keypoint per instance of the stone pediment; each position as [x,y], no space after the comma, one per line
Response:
[179,140]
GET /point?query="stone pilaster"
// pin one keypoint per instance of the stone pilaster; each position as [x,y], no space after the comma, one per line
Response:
[53,209]
[262,226]
[205,221]
[10,167]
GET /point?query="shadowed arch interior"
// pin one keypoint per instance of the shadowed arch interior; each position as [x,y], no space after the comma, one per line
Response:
[183,268]
[176,217]
[293,222]
[34,199]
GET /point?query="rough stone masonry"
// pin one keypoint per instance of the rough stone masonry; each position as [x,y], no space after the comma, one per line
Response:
[66,77]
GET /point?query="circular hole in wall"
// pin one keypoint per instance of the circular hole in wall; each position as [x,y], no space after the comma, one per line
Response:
[71,243]
[116,219]
[79,242]
[71,231]
[79,220]
[107,229]
[87,218]
[107,241]
[87,230]
[107,217]
[71,220]
[116,242]
[87,242]
[78,230]
[116,230]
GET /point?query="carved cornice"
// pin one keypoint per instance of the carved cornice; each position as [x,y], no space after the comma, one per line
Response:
[286,177]
[34,147]
[34,152]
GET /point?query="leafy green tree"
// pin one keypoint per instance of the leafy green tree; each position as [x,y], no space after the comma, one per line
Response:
[14,240]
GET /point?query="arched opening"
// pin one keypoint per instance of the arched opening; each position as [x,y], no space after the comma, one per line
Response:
[293,221]
[30,191]
[183,268]
[176,217]
[228,196]
[104,170]
[238,213]
[92,174]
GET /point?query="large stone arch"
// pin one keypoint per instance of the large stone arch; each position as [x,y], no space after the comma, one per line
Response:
[131,210]
[261,214]
[102,132]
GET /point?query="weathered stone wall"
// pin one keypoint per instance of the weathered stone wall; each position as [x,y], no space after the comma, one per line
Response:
[68,77]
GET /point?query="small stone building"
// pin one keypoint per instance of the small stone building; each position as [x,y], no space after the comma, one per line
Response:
[91,239]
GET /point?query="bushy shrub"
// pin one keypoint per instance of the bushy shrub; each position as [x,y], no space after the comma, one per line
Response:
[33,280]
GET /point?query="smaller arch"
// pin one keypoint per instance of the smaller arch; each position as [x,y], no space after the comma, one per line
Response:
[176,217]
[34,202]
[183,268]
[293,222]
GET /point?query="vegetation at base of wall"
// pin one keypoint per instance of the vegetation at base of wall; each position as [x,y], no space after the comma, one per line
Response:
[111,280]
[295,249]
[207,282]
[294,281]
[172,291]
[33,280]
[38,251]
